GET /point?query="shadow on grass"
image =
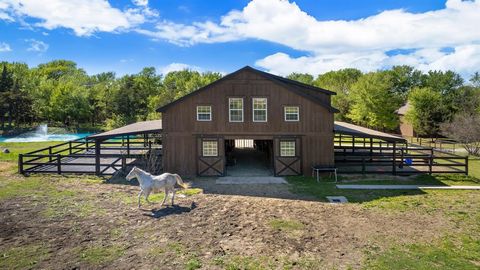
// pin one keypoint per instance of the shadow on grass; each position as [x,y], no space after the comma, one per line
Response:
[170,210]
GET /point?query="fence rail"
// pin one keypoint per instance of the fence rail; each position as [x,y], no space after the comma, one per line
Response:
[80,156]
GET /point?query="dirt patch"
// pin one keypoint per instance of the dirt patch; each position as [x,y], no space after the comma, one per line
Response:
[213,231]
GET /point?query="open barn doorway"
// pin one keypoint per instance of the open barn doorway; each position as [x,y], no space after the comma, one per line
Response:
[248,157]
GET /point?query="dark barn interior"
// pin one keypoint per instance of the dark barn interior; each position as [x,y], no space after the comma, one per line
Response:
[246,157]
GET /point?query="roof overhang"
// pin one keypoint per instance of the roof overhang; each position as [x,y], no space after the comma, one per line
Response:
[144,127]
[363,132]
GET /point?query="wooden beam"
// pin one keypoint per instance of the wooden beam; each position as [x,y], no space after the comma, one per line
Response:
[97,156]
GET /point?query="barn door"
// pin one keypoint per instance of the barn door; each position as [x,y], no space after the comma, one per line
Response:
[210,157]
[287,156]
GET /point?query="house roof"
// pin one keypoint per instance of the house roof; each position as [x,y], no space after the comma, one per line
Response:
[132,129]
[404,109]
[304,90]
[354,130]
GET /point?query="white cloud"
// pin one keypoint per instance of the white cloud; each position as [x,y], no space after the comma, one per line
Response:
[334,44]
[143,3]
[177,67]
[83,17]
[5,47]
[37,46]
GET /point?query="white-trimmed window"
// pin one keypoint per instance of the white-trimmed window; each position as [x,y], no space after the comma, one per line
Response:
[259,106]
[235,109]
[210,148]
[292,113]
[287,148]
[204,113]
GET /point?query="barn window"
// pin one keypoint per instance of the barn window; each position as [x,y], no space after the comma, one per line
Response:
[292,113]
[210,148]
[204,113]
[287,148]
[235,106]
[259,110]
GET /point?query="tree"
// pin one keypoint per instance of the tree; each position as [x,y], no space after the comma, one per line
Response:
[301,77]
[6,86]
[426,112]
[465,128]
[373,102]
[340,82]
[404,78]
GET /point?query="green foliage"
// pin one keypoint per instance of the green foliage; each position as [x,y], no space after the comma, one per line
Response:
[426,112]
[23,257]
[405,78]
[286,225]
[99,254]
[301,77]
[374,103]
[340,82]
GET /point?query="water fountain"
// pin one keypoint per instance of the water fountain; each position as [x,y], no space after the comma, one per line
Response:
[40,134]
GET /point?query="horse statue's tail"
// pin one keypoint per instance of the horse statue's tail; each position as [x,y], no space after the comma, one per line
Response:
[180,182]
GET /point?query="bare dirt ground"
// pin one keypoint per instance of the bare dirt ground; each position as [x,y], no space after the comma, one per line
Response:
[95,225]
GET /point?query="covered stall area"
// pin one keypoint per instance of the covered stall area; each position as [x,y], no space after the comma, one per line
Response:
[366,151]
[100,154]
[249,157]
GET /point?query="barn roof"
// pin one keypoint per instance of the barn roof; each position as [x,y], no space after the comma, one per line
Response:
[132,129]
[354,130]
[304,90]
[404,109]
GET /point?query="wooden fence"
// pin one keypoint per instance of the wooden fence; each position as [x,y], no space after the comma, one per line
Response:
[80,156]
[366,155]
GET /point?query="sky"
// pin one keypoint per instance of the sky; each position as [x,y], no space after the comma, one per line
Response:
[277,36]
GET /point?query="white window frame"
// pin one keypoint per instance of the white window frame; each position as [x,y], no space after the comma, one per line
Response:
[266,109]
[230,110]
[206,148]
[209,113]
[285,113]
[283,151]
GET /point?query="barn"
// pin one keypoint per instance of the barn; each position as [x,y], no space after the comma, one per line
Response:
[249,121]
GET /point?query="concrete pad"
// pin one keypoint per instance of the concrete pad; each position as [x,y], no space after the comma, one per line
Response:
[406,187]
[254,180]
[337,199]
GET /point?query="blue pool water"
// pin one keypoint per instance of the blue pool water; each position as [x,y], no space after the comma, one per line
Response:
[41,135]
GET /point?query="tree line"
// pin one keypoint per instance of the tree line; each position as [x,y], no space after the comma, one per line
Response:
[60,93]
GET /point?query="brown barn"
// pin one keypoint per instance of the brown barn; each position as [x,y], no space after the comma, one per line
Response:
[406,129]
[265,123]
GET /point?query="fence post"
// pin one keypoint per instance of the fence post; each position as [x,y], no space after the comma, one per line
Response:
[20,163]
[124,163]
[86,143]
[430,164]
[466,165]
[50,159]
[363,165]
[70,147]
[97,157]
[401,158]
[59,164]
[394,163]
[128,145]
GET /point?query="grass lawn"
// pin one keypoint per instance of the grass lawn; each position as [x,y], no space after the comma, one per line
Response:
[87,223]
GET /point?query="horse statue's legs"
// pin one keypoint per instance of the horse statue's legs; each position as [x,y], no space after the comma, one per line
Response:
[139,196]
[173,196]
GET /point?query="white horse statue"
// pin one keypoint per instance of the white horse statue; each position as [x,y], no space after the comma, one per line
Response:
[155,183]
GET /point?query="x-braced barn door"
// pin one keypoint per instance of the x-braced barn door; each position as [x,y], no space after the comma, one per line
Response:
[287,156]
[210,156]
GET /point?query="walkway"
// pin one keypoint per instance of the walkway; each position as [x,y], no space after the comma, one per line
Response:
[254,180]
[406,187]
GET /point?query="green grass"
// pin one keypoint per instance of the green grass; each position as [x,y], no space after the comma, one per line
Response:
[443,254]
[286,225]
[474,167]
[23,257]
[193,263]
[99,254]
[22,148]
[308,186]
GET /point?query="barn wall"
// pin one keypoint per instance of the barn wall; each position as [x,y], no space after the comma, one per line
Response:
[181,128]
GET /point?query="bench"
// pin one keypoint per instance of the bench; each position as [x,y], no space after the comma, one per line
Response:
[316,170]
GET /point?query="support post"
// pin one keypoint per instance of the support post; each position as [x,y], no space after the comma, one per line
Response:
[70,147]
[97,156]
[401,158]
[394,163]
[20,163]
[466,165]
[353,144]
[371,149]
[50,158]
[59,164]
[124,163]
[430,163]
[340,142]
[128,145]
